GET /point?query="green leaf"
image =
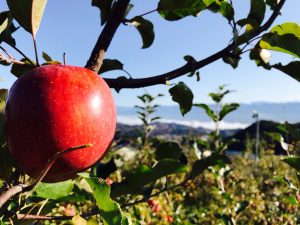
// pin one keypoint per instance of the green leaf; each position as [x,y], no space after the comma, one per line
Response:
[110,210]
[129,7]
[134,182]
[292,200]
[110,64]
[6,37]
[256,14]
[227,108]
[5,21]
[189,59]
[145,28]
[242,206]
[103,170]
[233,58]
[168,150]
[105,9]
[227,10]
[178,9]
[78,220]
[293,162]
[183,95]
[18,69]
[54,190]
[214,159]
[256,56]
[155,118]
[217,97]
[208,111]
[6,161]
[28,13]
[3,95]
[272,3]
[283,38]
[46,57]
[292,69]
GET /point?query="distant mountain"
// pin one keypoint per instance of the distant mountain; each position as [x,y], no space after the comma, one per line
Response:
[166,129]
[250,134]
[278,112]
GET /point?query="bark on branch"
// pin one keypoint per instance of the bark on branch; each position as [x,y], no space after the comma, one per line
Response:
[163,78]
[115,19]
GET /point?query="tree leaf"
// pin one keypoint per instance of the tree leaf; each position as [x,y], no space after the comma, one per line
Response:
[293,162]
[233,58]
[292,69]
[6,161]
[227,10]
[3,95]
[214,159]
[5,21]
[256,14]
[110,210]
[145,28]
[46,57]
[28,13]
[134,182]
[105,9]
[20,69]
[178,9]
[283,38]
[272,3]
[183,95]
[208,111]
[6,37]
[255,54]
[292,200]
[129,8]
[168,150]
[54,190]
[78,220]
[227,108]
[110,64]
[103,170]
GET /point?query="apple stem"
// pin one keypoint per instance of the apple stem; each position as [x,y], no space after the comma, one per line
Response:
[64,58]
[35,51]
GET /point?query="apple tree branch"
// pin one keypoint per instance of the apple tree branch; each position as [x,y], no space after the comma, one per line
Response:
[189,67]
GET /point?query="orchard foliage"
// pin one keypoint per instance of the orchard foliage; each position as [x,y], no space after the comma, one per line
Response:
[116,193]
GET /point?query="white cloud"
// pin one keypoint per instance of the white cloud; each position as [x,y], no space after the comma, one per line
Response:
[131,120]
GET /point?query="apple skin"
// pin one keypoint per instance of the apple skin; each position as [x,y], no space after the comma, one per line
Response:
[55,107]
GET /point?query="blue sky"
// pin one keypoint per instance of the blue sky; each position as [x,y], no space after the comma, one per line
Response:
[73,27]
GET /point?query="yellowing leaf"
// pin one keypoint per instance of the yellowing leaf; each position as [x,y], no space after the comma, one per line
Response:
[28,13]
[78,220]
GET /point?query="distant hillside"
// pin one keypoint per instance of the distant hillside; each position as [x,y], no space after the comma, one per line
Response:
[167,129]
[250,134]
[278,112]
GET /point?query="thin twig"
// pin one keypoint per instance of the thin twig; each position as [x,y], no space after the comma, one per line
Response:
[9,60]
[13,191]
[163,78]
[146,13]
[21,53]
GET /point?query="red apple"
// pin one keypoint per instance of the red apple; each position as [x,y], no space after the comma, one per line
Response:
[56,107]
[170,219]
